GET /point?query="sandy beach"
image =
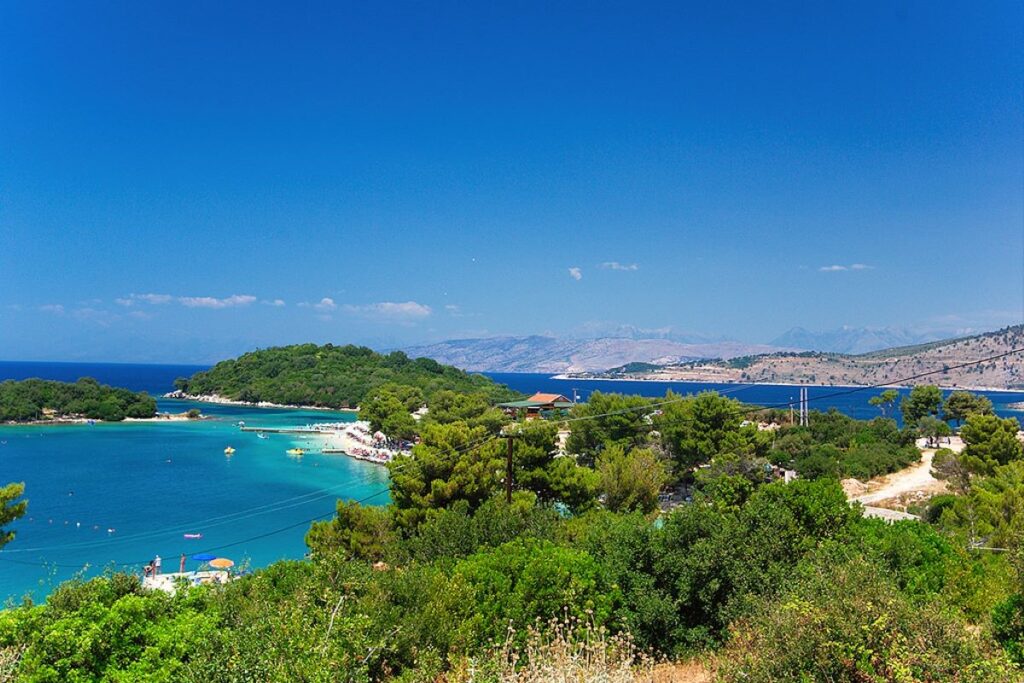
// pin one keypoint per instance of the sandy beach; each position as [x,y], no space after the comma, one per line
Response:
[355,440]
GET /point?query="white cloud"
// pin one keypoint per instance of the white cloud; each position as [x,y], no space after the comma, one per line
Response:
[277,303]
[390,310]
[213,302]
[576,273]
[453,310]
[615,265]
[325,304]
[55,309]
[155,299]
[838,268]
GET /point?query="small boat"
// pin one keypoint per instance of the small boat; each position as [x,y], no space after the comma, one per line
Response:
[193,535]
[229,450]
[295,451]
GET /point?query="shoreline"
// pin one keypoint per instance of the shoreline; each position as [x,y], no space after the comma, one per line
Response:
[570,377]
[221,400]
[56,421]
[353,440]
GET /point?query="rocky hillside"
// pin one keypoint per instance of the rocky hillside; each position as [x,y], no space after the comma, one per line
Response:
[889,366]
[552,354]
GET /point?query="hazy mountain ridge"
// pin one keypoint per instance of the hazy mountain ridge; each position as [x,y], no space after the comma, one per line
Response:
[538,353]
[935,362]
[852,340]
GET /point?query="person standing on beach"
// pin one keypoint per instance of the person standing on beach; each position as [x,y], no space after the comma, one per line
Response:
[156,566]
[182,568]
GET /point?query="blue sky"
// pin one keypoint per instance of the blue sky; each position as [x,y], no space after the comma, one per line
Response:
[184,182]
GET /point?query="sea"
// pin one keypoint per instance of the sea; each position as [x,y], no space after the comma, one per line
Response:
[108,497]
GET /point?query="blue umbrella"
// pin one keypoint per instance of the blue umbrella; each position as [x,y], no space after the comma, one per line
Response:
[204,557]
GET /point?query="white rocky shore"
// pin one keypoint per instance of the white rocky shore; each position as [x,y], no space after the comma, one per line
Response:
[223,400]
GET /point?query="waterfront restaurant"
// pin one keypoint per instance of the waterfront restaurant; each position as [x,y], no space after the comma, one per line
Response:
[537,406]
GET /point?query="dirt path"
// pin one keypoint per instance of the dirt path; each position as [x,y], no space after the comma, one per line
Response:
[914,479]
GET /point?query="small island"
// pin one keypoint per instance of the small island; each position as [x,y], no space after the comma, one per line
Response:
[328,376]
[35,401]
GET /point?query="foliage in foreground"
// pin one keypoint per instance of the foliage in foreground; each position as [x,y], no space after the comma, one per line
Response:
[848,623]
[379,600]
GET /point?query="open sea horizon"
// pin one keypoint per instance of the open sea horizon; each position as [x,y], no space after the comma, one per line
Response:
[112,496]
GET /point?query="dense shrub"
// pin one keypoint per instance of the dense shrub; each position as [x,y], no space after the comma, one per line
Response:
[849,623]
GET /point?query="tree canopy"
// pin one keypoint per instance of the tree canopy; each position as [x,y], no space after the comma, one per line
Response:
[924,399]
[35,399]
[960,404]
[990,441]
[10,509]
[331,376]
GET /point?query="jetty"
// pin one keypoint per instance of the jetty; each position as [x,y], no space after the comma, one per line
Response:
[352,439]
[283,430]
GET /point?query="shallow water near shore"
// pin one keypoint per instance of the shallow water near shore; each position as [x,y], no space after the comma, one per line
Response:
[116,495]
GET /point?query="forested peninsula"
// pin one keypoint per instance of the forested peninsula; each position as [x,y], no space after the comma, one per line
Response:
[35,400]
[329,376]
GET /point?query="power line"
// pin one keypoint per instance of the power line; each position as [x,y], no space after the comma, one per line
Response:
[791,403]
[480,441]
[476,443]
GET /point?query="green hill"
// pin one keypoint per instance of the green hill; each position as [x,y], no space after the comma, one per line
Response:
[330,376]
[36,399]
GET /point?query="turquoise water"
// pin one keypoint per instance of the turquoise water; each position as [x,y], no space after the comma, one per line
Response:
[153,482]
[115,495]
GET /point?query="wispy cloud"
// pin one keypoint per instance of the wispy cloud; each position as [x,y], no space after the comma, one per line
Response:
[55,309]
[835,268]
[188,301]
[325,304]
[277,303]
[214,302]
[454,310]
[154,299]
[615,265]
[576,273]
[405,311]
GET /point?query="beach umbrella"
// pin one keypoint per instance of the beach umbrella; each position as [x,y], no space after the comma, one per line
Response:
[204,557]
[222,563]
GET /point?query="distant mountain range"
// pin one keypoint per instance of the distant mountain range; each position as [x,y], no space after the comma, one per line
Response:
[949,363]
[553,354]
[852,340]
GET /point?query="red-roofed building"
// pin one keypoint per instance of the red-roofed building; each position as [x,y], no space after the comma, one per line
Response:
[538,404]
